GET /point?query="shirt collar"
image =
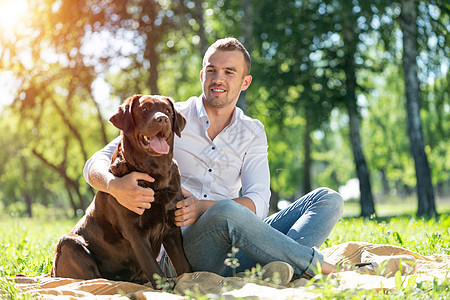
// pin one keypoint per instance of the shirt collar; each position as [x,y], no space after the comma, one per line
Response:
[201,112]
[234,117]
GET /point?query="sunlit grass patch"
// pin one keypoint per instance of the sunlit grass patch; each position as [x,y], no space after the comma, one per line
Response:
[425,236]
[27,245]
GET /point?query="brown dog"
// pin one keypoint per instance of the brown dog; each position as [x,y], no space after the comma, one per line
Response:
[113,242]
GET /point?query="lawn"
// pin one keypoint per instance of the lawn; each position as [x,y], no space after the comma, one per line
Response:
[26,246]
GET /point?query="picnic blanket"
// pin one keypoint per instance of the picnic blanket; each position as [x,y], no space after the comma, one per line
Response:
[389,259]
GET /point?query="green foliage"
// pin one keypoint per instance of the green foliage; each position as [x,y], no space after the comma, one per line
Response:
[333,156]
[232,261]
[65,49]
[163,283]
[390,152]
[436,120]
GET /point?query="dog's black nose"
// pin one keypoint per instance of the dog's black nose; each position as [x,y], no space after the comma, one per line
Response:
[161,118]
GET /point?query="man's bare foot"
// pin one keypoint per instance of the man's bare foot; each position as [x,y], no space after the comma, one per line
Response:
[328,268]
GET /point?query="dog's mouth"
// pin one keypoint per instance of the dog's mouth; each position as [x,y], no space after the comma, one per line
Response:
[156,143]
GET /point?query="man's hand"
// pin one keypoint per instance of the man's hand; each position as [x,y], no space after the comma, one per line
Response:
[188,210]
[129,194]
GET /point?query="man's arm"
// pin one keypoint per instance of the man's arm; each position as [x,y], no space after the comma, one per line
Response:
[125,189]
[255,174]
[205,204]
[247,202]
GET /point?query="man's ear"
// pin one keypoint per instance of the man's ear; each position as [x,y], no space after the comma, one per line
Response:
[179,121]
[123,117]
[246,82]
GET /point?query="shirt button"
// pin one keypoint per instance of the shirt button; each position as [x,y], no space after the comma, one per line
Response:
[204,196]
[209,170]
[207,122]
[214,148]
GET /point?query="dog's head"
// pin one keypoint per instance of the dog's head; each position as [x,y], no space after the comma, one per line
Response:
[150,120]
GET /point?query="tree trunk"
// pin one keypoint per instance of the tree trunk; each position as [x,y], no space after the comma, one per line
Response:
[99,118]
[384,181]
[247,33]
[198,15]
[69,194]
[72,128]
[68,181]
[307,157]
[367,204]
[153,57]
[27,195]
[247,24]
[28,201]
[154,34]
[273,204]
[425,193]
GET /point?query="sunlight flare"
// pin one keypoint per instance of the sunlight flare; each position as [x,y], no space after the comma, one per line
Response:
[12,12]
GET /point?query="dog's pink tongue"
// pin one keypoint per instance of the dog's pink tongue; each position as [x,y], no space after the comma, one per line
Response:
[159,145]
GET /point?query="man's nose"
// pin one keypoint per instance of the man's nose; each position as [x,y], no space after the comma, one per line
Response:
[218,77]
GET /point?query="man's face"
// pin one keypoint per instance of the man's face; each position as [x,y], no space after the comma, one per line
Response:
[223,78]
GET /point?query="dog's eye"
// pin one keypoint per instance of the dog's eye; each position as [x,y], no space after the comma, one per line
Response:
[168,111]
[144,108]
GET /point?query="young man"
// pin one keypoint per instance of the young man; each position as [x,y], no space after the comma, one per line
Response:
[222,151]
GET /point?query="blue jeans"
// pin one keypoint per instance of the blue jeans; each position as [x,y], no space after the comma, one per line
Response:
[291,235]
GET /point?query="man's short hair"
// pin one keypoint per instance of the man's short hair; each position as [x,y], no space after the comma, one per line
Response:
[229,44]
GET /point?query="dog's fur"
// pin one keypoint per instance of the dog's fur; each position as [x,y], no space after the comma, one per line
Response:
[113,242]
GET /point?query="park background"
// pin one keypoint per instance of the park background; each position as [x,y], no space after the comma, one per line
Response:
[354,95]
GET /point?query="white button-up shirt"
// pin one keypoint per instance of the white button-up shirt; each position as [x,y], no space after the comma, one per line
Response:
[217,169]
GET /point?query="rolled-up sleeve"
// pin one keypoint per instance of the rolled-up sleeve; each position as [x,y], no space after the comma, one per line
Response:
[255,175]
[103,154]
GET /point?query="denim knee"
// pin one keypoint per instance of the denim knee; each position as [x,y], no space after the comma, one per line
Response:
[334,200]
[227,210]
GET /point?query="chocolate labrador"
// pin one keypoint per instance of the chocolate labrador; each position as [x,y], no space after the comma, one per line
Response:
[113,242]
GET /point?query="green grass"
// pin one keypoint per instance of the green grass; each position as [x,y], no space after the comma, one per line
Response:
[424,236]
[27,245]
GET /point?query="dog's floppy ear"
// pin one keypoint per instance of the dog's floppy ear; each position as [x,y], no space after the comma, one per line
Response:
[179,121]
[123,117]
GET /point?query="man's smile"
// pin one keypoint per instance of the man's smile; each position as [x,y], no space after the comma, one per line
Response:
[217,90]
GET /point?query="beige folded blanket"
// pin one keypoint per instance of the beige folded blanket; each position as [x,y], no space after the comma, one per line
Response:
[388,260]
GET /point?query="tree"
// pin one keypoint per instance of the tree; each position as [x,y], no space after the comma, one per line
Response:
[313,46]
[385,124]
[247,37]
[56,82]
[288,66]
[425,193]
[349,22]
